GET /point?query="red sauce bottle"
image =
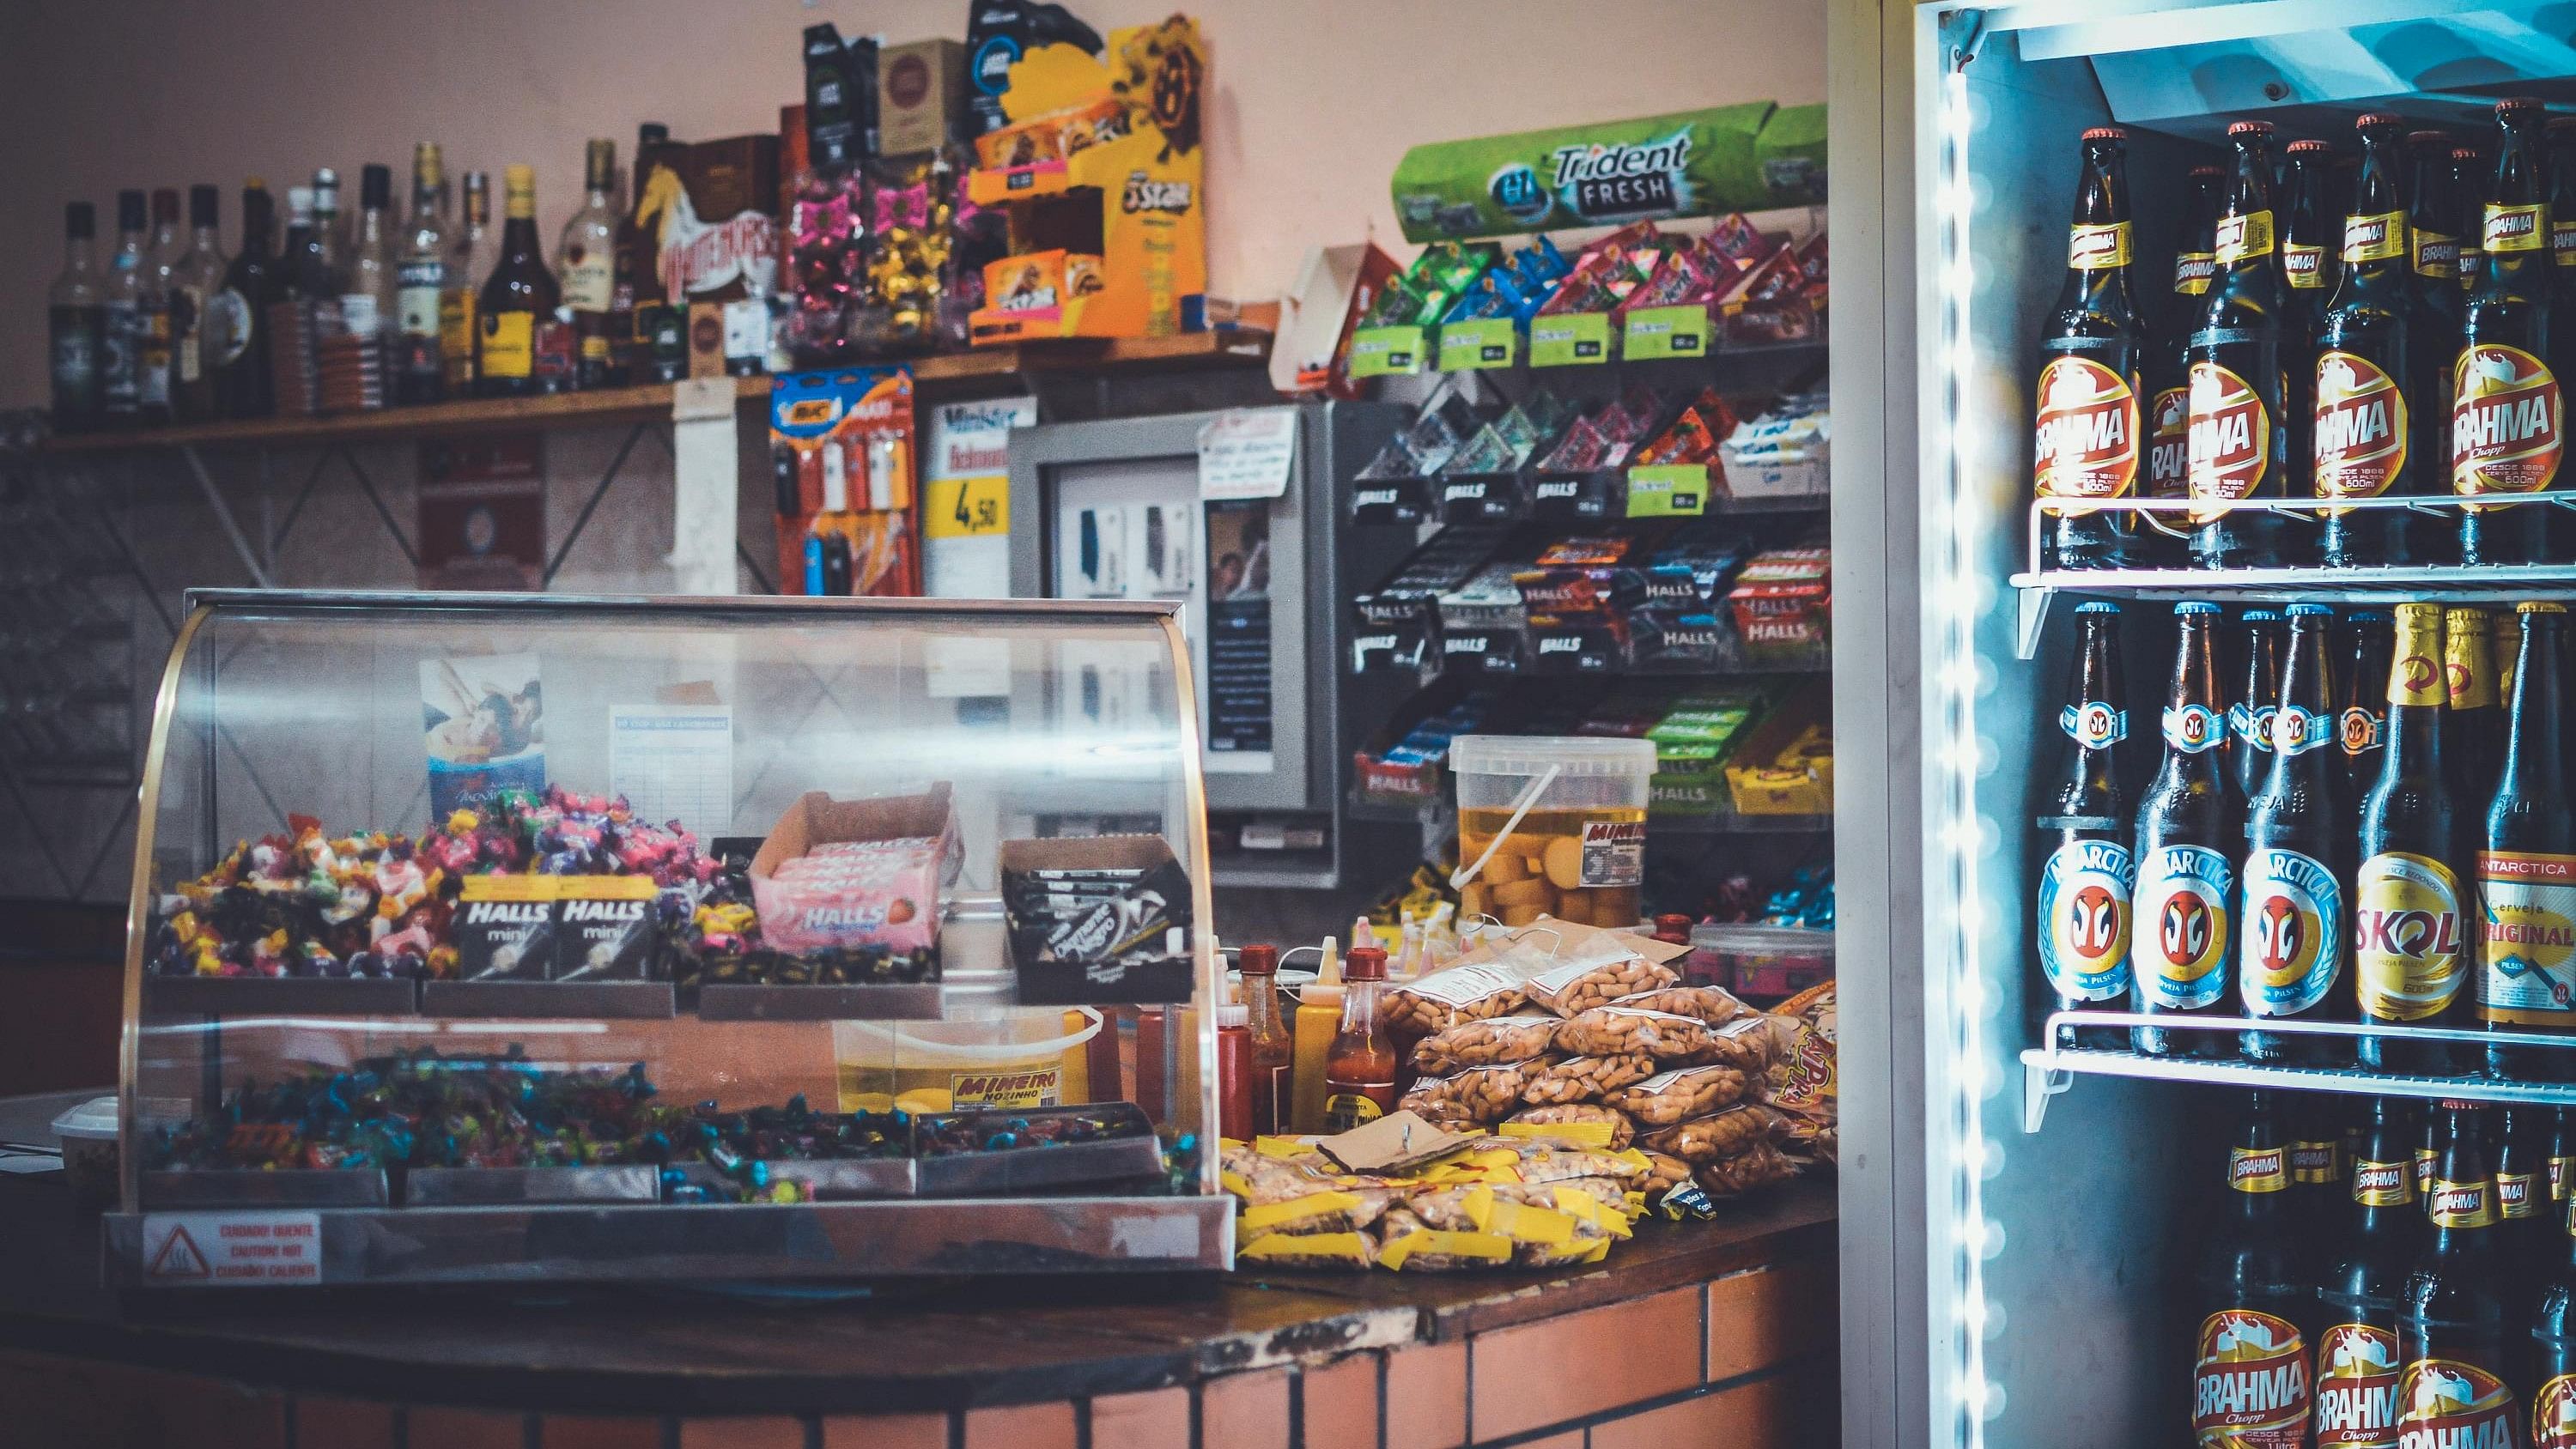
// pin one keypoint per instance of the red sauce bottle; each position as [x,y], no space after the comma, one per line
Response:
[1270,1048]
[1359,1067]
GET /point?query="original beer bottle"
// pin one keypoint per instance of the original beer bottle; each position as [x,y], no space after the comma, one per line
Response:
[2410,955]
[2508,419]
[2366,440]
[2188,827]
[2249,717]
[2250,1370]
[2238,448]
[2165,535]
[2084,888]
[2293,915]
[2361,1292]
[2477,711]
[2362,679]
[2527,866]
[2452,1386]
[2092,387]
[2553,1345]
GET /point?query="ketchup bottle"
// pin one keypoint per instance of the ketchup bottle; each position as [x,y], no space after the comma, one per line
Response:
[1359,1066]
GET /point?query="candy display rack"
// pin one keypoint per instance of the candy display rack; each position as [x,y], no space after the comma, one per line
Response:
[646,1084]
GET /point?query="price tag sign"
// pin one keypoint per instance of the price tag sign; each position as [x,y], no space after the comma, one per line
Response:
[1668,490]
[1247,453]
[966,507]
[1680,331]
[1480,343]
[1570,339]
[1388,351]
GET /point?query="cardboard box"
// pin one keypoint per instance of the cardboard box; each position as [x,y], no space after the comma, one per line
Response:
[1149,974]
[898,909]
[921,95]
[710,208]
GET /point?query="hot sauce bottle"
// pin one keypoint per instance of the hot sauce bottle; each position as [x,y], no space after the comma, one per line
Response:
[1359,1066]
[1270,1046]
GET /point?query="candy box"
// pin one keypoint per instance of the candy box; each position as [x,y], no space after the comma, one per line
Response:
[885,893]
[1040,281]
[1783,600]
[1098,921]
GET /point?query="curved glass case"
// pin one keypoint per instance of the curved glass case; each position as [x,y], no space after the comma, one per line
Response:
[498,936]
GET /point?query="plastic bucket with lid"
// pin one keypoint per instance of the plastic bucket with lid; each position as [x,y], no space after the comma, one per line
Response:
[996,1057]
[88,1134]
[1551,825]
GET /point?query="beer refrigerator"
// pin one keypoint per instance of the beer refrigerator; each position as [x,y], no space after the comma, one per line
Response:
[2015,1223]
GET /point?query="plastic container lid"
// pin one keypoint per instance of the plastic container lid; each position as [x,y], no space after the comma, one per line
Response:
[93,1120]
[1568,755]
[1233,1013]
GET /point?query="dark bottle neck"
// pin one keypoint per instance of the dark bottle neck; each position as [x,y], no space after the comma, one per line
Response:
[2462,1172]
[519,239]
[2383,1183]
[2535,761]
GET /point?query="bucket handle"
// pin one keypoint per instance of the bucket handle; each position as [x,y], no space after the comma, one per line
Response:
[1459,878]
[1017,1051]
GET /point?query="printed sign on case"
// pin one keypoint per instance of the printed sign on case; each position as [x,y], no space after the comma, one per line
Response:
[231,1250]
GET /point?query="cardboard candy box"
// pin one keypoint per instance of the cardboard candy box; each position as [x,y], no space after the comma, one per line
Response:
[844,873]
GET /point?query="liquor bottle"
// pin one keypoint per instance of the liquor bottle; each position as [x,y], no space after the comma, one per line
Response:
[152,334]
[2410,954]
[2188,828]
[2084,888]
[2165,535]
[2452,1388]
[237,324]
[2553,1344]
[2309,226]
[2362,1291]
[2361,722]
[420,283]
[2429,1125]
[519,293]
[76,326]
[469,260]
[2508,418]
[304,282]
[128,294]
[2257,1300]
[638,300]
[2476,726]
[368,304]
[2249,717]
[2239,449]
[2527,865]
[2295,920]
[196,280]
[1359,1065]
[320,262]
[2093,382]
[586,263]
[2368,442]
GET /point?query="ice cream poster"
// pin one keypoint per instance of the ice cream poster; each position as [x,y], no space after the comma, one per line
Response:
[484,718]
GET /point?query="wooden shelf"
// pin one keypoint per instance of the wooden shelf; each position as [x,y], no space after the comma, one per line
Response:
[629,405]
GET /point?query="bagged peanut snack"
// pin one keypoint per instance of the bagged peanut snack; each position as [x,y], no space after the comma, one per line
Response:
[1578,1122]
[1443,999]
[1760,1166]
[1584,1079]
[1663,1172]
[1804,1082]
[1679,1095]
[1609,1031]
[1580,985]
[1750,1044]
[1470,1096]
[1412,1246]
[1704,1140]
[1312,1250]
[1712,1004]
[1485,1043]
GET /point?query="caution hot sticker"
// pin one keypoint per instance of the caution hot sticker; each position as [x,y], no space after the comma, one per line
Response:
[231,1250]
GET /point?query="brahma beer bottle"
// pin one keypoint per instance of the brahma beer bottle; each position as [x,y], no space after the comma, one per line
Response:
[2188,828]
[2410,954]
[2367,442]
[2238,448]
[2362,679]
[2313,1122]
[2433,259]
[2527,868]
[2249,717]
[2294,917]
[2084,887]
[2469,179]
[2092,388]
[2452,1390]
[2359,1296]
[2477,711]
[2562,1158]
[2309,222]
[2508,419]
[2553,1345]
[2165,535]
[2250,1371]
[2523,1228]
[2561,134]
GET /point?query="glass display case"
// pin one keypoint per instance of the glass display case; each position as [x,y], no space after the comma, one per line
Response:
[481,936]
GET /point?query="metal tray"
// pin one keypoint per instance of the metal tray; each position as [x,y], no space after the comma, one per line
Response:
[280,995]
[348,1187]
[1034,1169]
[621,1000]
[909,1001]
[846,1179]
[509,1186]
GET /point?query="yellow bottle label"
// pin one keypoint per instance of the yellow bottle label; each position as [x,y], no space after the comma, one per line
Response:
[2409,957]
[2304,266]
[2467,673]
[2378,237]
[2247,234]
[508,345]
[2436,254]
[2463,1204]
[2415,674]
[1344,1111]
[2258,1169]
[2096,248]
[456,334]
[2515,228]
[2383,1184]
[2192,271]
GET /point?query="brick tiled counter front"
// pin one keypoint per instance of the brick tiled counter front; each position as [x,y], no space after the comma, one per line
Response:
[1716,1335]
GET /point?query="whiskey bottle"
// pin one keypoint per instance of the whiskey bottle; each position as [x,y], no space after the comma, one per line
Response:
[76,325]
[121,355]
[520,294]
[468,260]
[586,262]
[420,283]
[196,281]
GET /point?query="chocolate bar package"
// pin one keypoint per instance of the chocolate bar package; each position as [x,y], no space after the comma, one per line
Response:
[1098,921]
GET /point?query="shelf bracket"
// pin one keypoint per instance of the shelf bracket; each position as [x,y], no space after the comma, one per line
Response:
[2030,618]
[224,515]
[2039,1082]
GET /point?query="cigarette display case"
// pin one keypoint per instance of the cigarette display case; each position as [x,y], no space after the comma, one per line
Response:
[484,937]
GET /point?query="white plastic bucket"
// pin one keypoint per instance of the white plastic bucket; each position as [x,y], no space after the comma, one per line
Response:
[1001,1058]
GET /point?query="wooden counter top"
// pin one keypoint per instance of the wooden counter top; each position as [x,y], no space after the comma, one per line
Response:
[702,1350]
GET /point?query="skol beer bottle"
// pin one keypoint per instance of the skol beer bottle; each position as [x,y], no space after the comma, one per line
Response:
[2359,1296]
[2293,920]
[2084,887]
[2238,448]
[2410,953]
[2092,387]
[2477,712]
[2508,419]
[2367,441]
[2259,1308]
[2527,867]
[2362,678]
[2249,715]
[2452,1386]
[2165,535]
[2553,1344]
[2188,828]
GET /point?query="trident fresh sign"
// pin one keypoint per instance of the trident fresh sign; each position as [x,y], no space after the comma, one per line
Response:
[1751,157]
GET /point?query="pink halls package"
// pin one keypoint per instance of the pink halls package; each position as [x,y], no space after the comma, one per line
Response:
[839,873]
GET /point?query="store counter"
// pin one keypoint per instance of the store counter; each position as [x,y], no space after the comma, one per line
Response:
[1687,1329]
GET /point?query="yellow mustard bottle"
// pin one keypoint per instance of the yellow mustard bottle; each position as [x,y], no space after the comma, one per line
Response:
[1319,1015]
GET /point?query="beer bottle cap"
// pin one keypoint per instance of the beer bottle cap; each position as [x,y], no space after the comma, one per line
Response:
[2464,153]
[2098,608]
[2367,616]
[2205,171]
[2428,138]
[2308,611]
[2517,106]
[2106,133]
[2308,148]
[2196,608]
[2261,616]
[2249,128]
[2368,119]
[2539,606]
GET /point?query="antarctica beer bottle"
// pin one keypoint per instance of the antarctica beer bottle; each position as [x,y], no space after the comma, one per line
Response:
[2294,919]
[2084,887]
[2188,830]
